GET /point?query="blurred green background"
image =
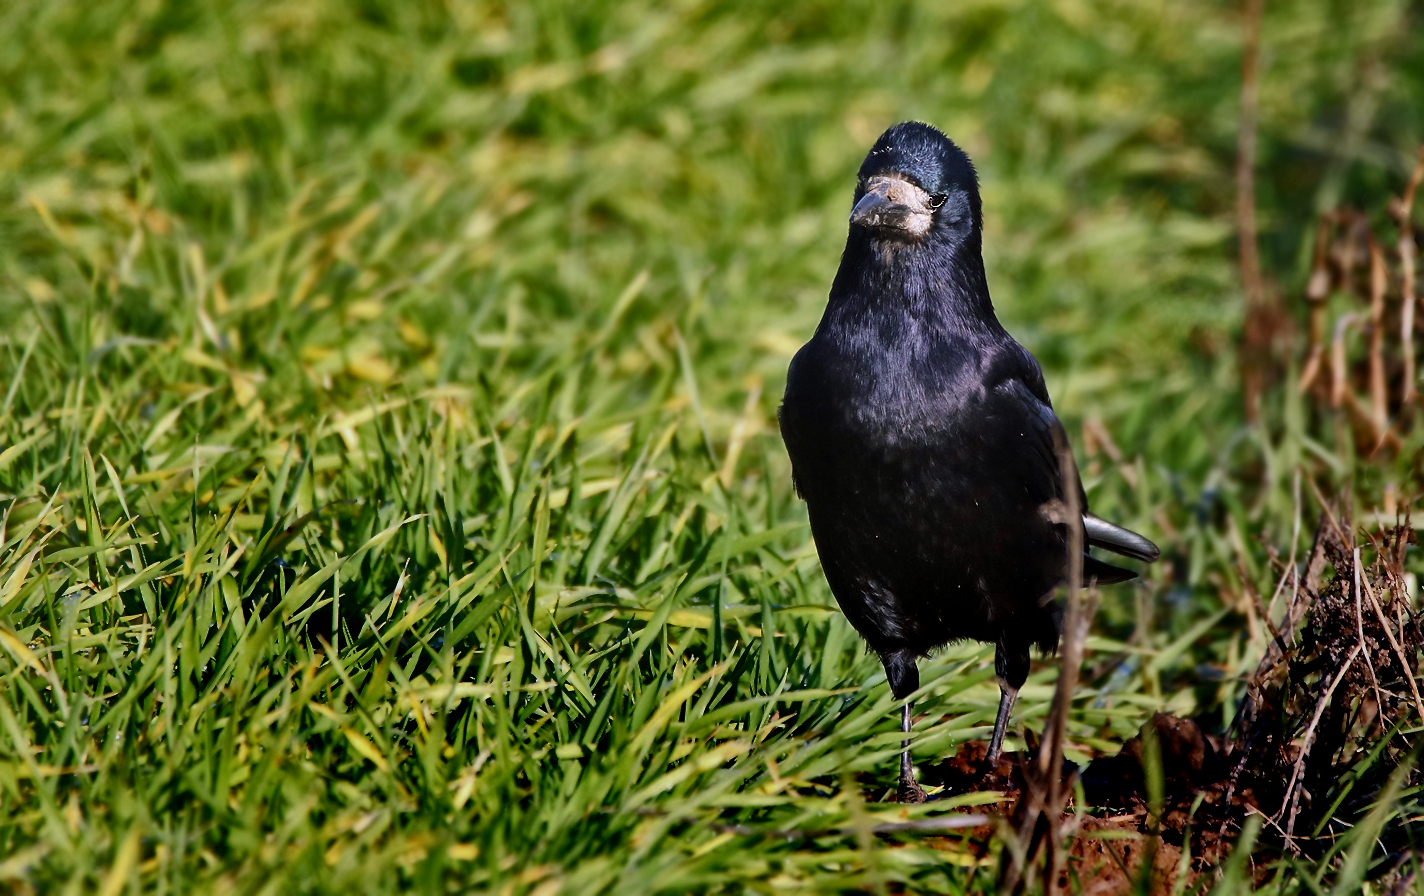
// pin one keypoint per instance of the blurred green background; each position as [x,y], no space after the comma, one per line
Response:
[392,493]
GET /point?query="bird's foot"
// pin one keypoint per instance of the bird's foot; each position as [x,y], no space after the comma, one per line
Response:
[998,771]
[909,792]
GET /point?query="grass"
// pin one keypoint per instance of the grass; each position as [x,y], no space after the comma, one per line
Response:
[391,492]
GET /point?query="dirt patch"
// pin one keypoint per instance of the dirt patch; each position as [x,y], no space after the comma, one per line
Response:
[1324,726]
[1119,845]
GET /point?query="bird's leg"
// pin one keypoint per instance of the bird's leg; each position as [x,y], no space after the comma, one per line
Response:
[1011,665]
[904,678]
[908,791]
[1007,695]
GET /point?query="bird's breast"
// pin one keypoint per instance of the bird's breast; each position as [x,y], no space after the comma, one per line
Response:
[886,395]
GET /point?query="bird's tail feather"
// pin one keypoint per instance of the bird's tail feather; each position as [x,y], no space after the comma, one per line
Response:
[1095,570]
[1103,534]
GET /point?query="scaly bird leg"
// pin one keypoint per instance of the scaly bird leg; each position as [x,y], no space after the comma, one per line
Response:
[908,791]
[1007,695]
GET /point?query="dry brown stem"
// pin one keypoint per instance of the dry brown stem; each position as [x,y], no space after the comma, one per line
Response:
[1042,826]
[1373,382]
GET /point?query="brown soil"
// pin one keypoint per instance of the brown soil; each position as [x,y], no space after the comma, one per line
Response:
[1325,723]
[1119,840]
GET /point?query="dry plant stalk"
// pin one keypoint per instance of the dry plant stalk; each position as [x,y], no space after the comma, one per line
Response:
[1378,392]
[1402,212]
[1336,687]
[1265,321]
[1042,826]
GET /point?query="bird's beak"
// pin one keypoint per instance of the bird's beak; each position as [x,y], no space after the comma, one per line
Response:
[875,210]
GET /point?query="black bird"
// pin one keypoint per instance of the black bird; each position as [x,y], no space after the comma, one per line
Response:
[923,441]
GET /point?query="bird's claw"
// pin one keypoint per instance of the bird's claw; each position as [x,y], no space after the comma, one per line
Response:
[910,792]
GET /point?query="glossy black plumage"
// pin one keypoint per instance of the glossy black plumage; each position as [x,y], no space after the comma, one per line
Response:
[922,437]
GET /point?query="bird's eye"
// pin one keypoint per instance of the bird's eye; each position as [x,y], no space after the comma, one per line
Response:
[937,200]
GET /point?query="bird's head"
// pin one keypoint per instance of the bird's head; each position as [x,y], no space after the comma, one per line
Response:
[916,186]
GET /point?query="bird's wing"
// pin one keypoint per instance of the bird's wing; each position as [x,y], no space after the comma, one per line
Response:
[1019,394]
[1028,389]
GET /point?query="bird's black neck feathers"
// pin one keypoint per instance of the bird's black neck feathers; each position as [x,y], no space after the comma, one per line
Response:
[936,285]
